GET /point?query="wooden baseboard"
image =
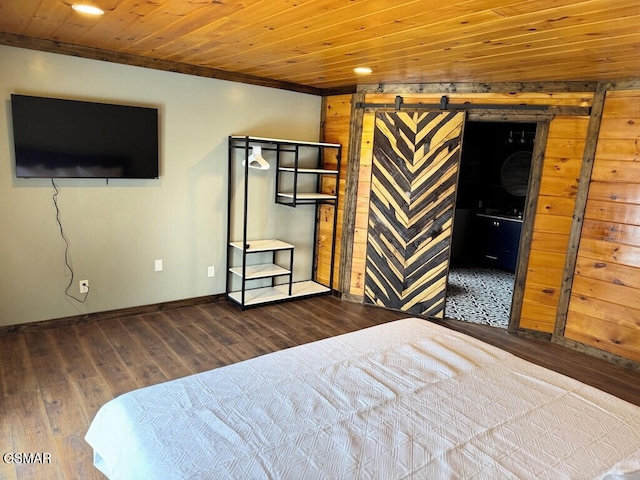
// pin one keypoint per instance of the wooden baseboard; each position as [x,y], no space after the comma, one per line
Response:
[352,298]
[119,313]
[534,334]
[596,352]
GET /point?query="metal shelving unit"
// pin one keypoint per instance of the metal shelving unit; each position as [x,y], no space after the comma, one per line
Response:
[289,168]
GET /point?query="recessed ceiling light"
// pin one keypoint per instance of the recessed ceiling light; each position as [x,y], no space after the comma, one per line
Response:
[88,9]
[362,70]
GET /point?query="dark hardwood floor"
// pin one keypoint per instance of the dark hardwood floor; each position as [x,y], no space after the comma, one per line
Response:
[53,381]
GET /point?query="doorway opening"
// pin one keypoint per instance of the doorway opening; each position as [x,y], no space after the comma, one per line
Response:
[491,197]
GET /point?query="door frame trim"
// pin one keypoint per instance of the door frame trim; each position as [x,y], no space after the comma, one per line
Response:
[533,189]
[526,236]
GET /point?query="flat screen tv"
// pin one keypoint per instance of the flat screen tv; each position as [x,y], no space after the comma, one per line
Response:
[57,138]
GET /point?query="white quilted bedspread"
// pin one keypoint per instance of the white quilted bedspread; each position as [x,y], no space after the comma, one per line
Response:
[408,399]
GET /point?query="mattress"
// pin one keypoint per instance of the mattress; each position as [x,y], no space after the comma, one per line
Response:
[407,399]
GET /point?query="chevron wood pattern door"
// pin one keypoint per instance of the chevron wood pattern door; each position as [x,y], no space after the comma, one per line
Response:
[416,157]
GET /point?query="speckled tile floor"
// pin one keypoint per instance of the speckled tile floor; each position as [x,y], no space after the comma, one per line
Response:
[480,295]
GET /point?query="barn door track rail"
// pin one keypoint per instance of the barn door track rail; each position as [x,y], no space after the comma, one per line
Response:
[445,104]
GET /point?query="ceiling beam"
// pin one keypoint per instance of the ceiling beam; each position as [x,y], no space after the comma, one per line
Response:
[51,46]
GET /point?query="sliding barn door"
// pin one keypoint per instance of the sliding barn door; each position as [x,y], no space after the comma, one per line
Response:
[416,157]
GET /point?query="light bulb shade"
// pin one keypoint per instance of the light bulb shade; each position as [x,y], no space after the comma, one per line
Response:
[523,140]
[256,160]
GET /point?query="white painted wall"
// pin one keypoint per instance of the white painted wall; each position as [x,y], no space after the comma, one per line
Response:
[116,231]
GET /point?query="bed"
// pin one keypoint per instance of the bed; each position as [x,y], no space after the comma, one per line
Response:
[406,399]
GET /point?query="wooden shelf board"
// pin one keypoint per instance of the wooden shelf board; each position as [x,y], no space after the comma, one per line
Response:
[321,171]
[286,142]
[265,270]
[263,245]
[258,296]
[308,196]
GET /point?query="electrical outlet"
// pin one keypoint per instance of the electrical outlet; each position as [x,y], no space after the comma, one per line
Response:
[210,271]
[84,286]
[158,265]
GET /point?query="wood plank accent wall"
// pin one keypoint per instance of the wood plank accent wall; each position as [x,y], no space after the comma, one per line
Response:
[554,222]
[335,129]
[604,309]
[552,225]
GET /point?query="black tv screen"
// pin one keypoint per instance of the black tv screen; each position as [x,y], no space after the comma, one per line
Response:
[57,138]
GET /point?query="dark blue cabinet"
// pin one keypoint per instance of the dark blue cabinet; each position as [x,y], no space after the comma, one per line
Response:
[500,239]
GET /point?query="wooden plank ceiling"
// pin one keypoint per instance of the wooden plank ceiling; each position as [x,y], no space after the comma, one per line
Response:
[314,45]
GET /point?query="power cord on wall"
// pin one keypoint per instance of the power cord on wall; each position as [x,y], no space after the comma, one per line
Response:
[66,248]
